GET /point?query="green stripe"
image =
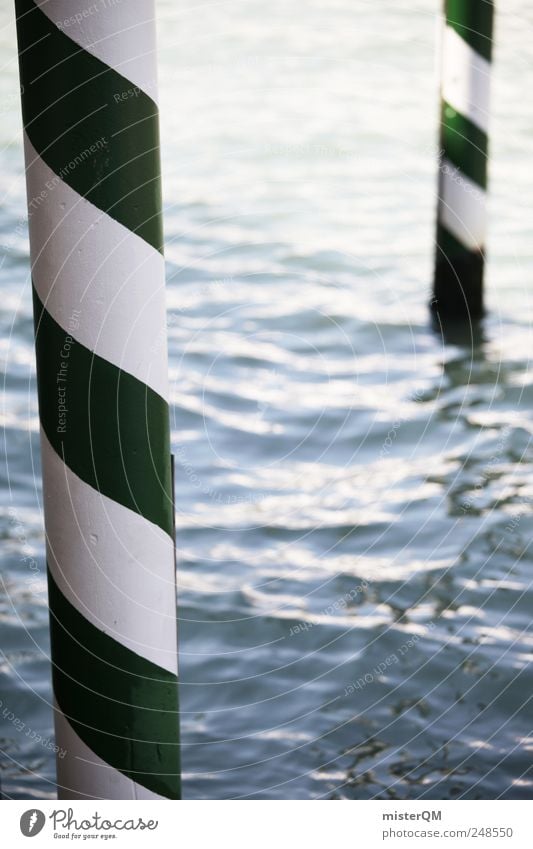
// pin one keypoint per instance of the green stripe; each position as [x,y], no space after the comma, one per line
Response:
[449,247]
[123,707]
[115,432]
[69,107]
[473,21]
[464,144]
[458,282]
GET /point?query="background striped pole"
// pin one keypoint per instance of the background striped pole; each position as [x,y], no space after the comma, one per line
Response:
[461,215]
[94,200]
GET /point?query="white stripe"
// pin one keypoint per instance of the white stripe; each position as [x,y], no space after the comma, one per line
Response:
[83,775]
[116,568]
[465,79]
[462,207]
[83,261]
[120,33]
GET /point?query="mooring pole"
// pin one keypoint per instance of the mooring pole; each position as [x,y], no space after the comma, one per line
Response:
[461,215]
[91,138]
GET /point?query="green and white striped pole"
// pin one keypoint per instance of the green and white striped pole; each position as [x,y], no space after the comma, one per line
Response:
[94,199]
[461,214]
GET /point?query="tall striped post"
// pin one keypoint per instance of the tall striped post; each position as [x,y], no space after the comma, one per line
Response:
[94,200]
[461,216]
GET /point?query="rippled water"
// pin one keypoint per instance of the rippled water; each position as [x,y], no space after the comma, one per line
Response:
[353,490]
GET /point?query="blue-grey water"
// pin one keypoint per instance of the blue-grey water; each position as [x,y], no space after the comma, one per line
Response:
[353,491]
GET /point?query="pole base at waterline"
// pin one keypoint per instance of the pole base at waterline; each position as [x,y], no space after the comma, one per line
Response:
[458,288]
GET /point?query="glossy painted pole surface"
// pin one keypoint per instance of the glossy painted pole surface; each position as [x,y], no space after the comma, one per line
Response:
[463,159]
[91,135]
